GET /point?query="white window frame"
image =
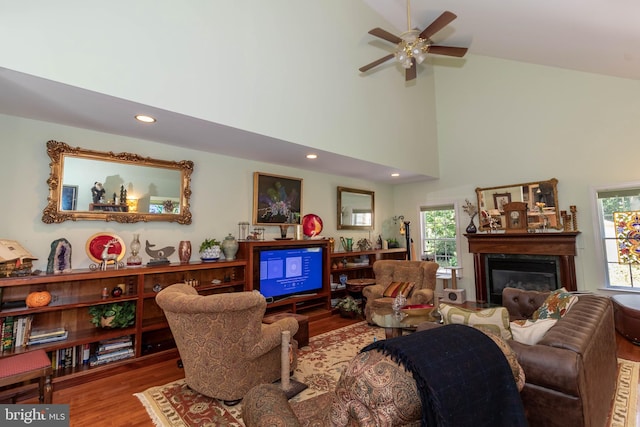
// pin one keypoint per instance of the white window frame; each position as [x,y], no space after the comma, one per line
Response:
[459,231]
[599,232]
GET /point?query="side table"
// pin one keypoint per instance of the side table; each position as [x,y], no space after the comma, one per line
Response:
[355,287]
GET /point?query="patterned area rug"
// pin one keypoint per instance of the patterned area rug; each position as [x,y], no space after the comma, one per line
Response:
[623,412]
[320,365]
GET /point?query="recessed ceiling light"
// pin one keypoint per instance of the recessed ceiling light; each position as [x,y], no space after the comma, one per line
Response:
[312,156]
[145,119]
[395,174]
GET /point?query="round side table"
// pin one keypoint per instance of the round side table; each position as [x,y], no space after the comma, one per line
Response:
[355,287]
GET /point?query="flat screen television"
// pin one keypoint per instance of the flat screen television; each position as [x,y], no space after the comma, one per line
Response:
[285,272]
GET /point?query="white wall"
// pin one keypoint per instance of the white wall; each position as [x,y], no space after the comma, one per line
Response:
[222,193]
[503,122]
[287,69]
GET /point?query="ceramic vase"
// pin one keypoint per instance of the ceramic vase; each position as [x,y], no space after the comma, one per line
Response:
[184,251]
[230,247]
[471,228]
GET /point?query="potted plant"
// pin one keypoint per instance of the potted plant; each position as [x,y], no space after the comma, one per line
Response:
[349,307]
[115,315]
[210,250]
[393,243]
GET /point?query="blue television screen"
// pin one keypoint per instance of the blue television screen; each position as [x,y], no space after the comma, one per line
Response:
[284,272]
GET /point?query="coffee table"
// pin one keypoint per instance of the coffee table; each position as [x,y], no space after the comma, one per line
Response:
[394,324]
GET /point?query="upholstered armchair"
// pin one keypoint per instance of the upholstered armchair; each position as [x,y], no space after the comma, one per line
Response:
[421,273]
[224,346]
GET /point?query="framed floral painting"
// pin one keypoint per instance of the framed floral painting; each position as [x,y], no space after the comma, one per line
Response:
[276,199]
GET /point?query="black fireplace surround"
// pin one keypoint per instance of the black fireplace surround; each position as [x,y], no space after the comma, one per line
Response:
[529,272]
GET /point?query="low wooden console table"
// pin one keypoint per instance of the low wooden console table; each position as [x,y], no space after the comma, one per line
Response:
[562,245]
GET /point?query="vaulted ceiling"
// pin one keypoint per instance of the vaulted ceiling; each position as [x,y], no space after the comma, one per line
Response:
[595,36]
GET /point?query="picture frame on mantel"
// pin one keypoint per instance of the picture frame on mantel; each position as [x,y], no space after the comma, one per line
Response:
[501,199]
[276,199]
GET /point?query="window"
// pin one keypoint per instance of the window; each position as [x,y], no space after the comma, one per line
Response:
[439,239]
[619,212]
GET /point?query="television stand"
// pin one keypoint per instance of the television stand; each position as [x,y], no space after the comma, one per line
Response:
[314,304]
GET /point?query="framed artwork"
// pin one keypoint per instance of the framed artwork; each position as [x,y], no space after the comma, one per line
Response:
[501,199]
[69,198]
[276,199]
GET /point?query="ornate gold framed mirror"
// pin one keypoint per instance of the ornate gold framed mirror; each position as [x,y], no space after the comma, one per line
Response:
[541,198]
[356,209]
[121,187]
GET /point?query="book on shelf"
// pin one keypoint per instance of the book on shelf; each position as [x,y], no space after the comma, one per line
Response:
[115,344]
[7,333]
[95,361]
[45,333]
[55,338]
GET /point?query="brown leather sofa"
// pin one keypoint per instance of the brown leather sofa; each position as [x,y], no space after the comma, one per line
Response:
[571,372]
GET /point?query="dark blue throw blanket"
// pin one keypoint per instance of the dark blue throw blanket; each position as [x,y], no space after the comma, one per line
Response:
[463,377]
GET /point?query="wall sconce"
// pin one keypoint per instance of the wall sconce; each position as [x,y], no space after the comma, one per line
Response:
[133,205]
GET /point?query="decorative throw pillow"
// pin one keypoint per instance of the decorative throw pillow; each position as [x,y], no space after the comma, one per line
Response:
[493,319]
[396,288]
[556,305]
[530,332]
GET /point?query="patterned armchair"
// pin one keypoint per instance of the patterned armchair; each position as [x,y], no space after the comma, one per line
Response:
[373,390]
[421,273]
[224,346]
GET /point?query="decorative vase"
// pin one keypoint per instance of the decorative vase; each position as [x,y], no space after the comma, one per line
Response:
[210,254]
[283,230]
[184,251]
[471,228]
[230,247]
[135,260]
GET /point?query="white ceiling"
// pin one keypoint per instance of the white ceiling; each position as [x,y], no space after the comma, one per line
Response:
[595,36]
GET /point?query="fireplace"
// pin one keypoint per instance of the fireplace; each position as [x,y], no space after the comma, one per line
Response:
[501,260]
[529,272]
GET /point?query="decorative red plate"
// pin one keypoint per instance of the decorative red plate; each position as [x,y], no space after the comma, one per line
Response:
[311,225]
[96,243]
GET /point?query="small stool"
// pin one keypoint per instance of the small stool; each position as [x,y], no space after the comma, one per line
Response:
[28,366]
[302,336]
[626,315]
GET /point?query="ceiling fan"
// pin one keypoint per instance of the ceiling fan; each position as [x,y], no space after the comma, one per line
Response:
[414,45]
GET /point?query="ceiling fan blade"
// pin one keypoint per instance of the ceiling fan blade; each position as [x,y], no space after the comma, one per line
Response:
[411,73]
[440,22]
[385,35]
[448,50]
[376,63]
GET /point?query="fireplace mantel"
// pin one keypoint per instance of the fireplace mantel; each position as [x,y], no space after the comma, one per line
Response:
[562,245]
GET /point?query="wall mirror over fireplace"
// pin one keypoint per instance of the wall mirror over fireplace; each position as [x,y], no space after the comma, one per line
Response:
[355,209]
[122,187]
[541,198]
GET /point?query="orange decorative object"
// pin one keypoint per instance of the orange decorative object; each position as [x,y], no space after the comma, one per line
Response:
[38,299]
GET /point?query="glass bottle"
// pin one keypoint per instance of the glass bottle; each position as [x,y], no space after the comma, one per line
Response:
[134,260]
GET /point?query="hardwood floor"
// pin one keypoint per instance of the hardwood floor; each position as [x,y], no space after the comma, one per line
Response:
[110,401]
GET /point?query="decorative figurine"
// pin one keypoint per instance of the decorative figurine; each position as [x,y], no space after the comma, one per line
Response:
[158,256]
[97,192]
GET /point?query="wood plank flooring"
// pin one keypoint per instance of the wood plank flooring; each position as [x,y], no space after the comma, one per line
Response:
[110,401]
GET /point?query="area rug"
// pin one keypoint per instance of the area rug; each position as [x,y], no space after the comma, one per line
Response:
[320,365]
[623,412]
